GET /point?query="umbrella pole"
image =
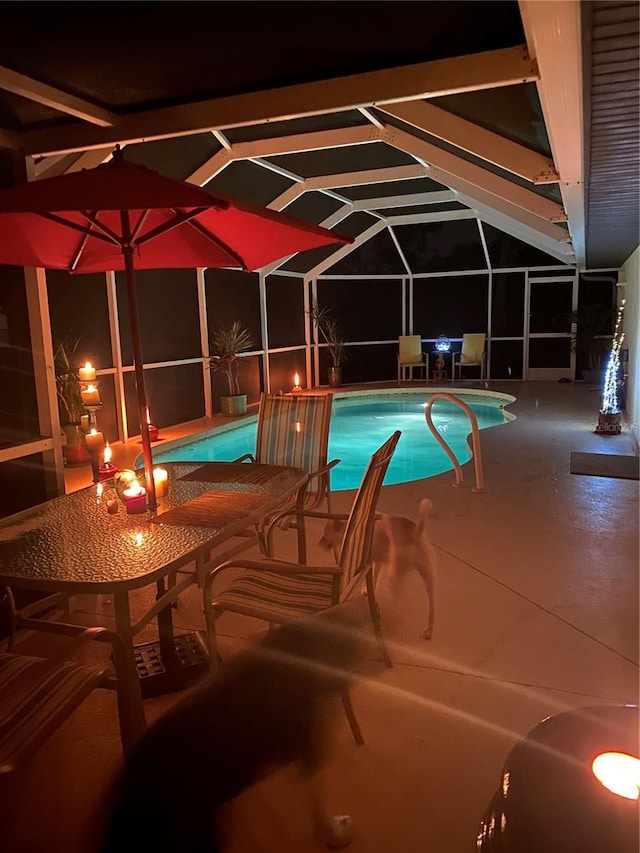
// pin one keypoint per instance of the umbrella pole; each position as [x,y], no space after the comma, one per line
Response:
[139,372]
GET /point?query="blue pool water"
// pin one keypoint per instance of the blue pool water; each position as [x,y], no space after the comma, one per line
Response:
[361,422]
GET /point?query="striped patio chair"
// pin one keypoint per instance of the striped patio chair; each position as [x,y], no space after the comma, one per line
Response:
[279,592]
[293,430]
[38,694]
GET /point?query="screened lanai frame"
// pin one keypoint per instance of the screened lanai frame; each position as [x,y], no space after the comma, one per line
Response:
[309,350]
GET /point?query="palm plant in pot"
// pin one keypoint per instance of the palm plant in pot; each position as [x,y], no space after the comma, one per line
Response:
[226,345]
[328,329]
[592,339]
[70,408]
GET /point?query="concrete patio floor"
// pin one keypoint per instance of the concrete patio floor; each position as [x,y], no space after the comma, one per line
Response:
[537,613]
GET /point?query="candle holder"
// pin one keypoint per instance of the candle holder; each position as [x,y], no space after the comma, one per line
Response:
[93,420]
[107,470]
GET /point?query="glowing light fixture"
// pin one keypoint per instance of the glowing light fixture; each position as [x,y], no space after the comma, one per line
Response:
[619,773]
[443,344]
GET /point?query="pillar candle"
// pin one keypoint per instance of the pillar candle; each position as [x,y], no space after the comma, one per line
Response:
[95,441]
[90,396]
[161,481]
[87,373]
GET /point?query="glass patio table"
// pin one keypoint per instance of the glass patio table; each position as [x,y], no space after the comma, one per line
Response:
[73,544]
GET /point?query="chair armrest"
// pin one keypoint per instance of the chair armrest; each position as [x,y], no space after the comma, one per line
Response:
[242,458]
[273,565]
[80,641]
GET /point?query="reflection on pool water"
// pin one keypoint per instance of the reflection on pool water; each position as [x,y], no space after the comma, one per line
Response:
[361,422]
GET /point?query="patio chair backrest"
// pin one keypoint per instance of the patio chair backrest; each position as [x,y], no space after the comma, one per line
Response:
[355,553]
[293,429]
[472,348]
[410,349]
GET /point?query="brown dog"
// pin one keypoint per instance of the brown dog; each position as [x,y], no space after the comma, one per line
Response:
[268,707]
[400,542]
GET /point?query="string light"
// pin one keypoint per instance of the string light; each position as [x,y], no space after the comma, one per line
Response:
[610,404]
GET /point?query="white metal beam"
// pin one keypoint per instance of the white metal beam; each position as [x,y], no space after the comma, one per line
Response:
[407,200]
[370,176]
[562,251]
[436,216]
[453,171]
[476,140]
[553,32]
[530,223]
[275,146]
[507,66]
[344,250]
[34,90]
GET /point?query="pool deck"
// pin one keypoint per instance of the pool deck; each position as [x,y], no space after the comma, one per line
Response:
[537,612]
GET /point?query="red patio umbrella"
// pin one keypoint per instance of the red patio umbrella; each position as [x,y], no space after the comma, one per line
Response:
[122,216]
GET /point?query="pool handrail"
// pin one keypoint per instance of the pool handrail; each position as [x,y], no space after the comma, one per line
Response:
[475,438]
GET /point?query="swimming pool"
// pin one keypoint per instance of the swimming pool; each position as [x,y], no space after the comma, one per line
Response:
[361,422]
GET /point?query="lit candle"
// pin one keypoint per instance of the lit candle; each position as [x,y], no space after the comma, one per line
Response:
[296,383]
[153,430]
[135,498]
[87,373]
[84,423]
[90,396]
[107,470]
[161,482]
[95,441]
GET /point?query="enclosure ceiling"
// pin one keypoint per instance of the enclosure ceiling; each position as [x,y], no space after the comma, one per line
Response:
[405,114]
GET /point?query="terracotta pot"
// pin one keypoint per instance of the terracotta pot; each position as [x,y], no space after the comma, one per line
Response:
[334,375]
[233,406]
[75,450]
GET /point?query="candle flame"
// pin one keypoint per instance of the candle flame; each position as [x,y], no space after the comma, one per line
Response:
[107,454]
[133,490]
[91,388]
[296,379]
[88,365]
[93,431]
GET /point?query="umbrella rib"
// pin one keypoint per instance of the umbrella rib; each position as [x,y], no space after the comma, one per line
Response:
[107,236]
[180,217]
[136,229]
[218,242]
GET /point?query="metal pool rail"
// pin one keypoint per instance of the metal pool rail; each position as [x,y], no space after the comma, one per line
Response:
[475,438]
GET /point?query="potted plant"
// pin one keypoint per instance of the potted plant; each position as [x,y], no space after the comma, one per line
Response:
[226,345]
[70,406]
[592,339]
[329,330]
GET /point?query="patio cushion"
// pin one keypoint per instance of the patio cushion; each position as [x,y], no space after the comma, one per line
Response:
[35,700]
[287,597]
